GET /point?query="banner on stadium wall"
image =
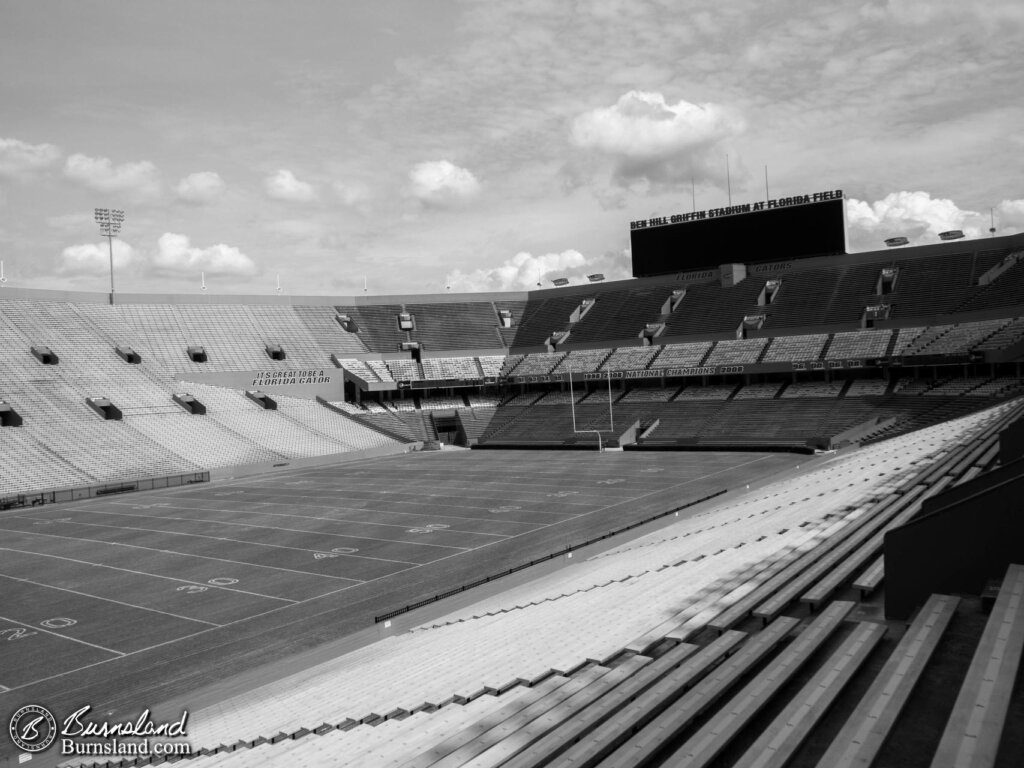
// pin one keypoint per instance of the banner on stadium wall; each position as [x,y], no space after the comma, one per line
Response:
[447,383]
[306,383]
[654,373]
[821,365]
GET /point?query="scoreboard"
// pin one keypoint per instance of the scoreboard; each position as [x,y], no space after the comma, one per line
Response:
[787,228]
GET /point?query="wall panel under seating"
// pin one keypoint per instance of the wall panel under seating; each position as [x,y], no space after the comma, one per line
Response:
[1011,442]
[959,546]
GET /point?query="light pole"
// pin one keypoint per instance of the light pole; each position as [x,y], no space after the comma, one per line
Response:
[110,221]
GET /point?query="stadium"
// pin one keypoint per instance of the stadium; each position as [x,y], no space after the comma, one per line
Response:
[448,388]
[742,529]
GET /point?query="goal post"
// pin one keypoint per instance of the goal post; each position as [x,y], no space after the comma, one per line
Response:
[611,414]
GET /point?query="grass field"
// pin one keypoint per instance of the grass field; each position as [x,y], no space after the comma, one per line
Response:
[126,601]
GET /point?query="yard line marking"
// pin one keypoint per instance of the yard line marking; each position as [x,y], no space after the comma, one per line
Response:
[390,498]
[373,490]
[243,541]
[323,502]
[183,554]
[143,573]
[259,543]
[351,586]
[107,599]
[63,637]
[559,522]
[157,645]
[290,530]
[4,689]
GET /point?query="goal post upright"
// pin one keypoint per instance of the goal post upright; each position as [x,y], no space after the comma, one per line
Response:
[572,406]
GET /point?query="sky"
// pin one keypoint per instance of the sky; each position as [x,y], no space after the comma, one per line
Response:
[417,146]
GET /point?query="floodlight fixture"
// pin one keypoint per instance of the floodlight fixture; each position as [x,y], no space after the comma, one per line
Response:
[560,281]
[596,277]
[110,221]
[893,242]
[952,234]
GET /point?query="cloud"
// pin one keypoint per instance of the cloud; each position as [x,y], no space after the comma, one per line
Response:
[19,159]
[522,272]
[920,218]
[200,188]
[284,186]
[441,183]
[1010,214]
[920,13]
[101,174]
[650,141]
[175,254]
[352,195]
[72,222]
[90,258]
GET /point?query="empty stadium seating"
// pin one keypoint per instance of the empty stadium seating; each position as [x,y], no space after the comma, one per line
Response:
[785,348]
[576,626]
[459,325]
[452,368]
[859,344]
[738,351]
[682,355]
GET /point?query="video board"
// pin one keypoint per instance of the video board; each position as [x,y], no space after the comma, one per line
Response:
[787,228]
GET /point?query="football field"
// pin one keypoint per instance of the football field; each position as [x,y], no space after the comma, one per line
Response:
[126,600]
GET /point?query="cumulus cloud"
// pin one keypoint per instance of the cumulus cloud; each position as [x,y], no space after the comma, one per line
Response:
[523,272]
[283,185]
[352,195]
[442,183]
[650,141]
[923,12]
[19,159]
[1010,215]
[72,222]
[176,254]
[200,188]
[101,174]
[920,218]
[94,258]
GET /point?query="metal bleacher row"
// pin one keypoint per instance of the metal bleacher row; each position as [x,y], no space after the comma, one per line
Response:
[935,340]
[155,437]
[667,649]
[794,412]
[808,295]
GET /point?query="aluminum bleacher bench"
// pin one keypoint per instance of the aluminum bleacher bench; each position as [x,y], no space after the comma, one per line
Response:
[787,567]
[481,740]
[625,718]
[869,549]
[449,745]
[868,581]
[584,721]
[679,626]
[521,737]
[819,562]
[868,726]
[705,745]
[778,742]
[972,734]
[642,729]
[759,581]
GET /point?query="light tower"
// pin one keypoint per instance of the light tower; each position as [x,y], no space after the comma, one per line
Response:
[110,221]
